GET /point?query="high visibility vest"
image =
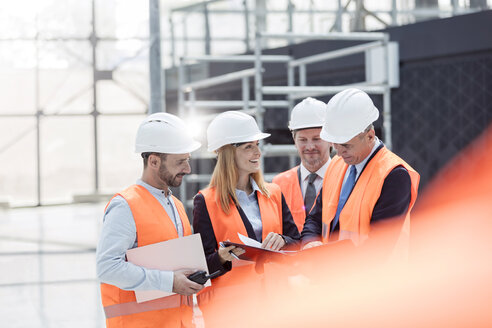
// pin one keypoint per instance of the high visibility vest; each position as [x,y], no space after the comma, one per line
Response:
[153,226]
[227,227]
[355,217]
[288,182]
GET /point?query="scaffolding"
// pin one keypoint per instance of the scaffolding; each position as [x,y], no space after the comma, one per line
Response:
[253,16]
[342,16]
[381,74]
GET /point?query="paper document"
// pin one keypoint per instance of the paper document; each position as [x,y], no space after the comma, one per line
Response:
[254,243]
[253,249]
[249,241]
[171,255]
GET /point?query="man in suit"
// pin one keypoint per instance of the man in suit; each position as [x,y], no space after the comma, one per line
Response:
[302,183]
[365,183]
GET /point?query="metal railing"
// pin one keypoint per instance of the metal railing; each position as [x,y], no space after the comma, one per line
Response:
[354,10]
[379,42]
[189,106]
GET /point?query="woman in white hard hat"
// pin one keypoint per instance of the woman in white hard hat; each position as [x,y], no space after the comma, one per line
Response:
[237,201]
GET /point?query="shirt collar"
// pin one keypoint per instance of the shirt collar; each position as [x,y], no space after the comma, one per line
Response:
[321,172]
[361,165]
[154,190]
[254,186]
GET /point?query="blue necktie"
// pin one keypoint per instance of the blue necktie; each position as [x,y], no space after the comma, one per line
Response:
[344,194]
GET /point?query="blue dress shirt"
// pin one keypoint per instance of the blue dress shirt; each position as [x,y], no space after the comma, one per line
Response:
[119,234]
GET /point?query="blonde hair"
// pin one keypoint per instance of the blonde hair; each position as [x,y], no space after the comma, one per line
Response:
[225,176]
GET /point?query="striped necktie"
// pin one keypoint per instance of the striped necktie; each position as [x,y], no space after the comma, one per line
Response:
[310,195]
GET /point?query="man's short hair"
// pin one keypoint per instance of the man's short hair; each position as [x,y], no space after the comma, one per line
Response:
[369,128]
[295,131]
[146,156]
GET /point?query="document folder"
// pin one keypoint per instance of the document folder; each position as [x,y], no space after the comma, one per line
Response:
[171,255]
[253,253]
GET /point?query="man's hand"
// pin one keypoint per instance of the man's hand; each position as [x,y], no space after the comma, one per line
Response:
[273,241]
[184,286]
[312,244]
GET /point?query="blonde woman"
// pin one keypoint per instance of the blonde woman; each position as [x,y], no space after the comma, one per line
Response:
[238,200]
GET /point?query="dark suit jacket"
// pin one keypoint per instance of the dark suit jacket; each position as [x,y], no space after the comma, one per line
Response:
[203,225]
[393,202]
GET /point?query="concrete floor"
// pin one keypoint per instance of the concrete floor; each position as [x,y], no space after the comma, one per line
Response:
[48,276]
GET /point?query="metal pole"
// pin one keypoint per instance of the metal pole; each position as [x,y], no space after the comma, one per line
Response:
[207,29]
[394,16]
[387,118]
[245,87]
[359,19]
[290,29]
[181,81]
[302,75]
[246,22]
[455,6]
[185,36]
[95,113]
[338,21]
[290,83]
[258,83]
[38,119]
[261,18]
[311,16]
[173,40]
[155,69]
[192,98]
[387,99]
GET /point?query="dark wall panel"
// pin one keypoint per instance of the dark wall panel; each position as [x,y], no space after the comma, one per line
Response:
[444,100]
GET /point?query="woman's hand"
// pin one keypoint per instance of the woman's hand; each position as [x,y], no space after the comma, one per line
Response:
[273,241]
[312,244]
[225,253]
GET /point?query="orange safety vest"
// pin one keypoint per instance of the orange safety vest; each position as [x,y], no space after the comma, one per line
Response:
[229,287]
[153,226]
[355,217]
[288,182]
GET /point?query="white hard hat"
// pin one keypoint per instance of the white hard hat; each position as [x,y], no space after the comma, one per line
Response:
[348,113]
[309,113]
[164,133]
[232,127]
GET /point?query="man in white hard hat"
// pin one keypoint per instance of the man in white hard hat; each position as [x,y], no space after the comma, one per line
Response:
[365,183]
[301,184]
[146,213]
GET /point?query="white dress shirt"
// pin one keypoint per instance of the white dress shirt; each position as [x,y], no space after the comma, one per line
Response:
[318,182]
[249,205]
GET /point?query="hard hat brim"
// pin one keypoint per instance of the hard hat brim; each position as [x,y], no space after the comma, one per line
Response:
[257,136]
[335,139]
[194,145]
[305,126]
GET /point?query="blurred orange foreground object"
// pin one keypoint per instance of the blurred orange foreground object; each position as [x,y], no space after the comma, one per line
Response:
[447,281]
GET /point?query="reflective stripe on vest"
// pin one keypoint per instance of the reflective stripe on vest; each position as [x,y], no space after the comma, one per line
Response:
[153,225]
[168,302]
[288,182]
[355,217]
